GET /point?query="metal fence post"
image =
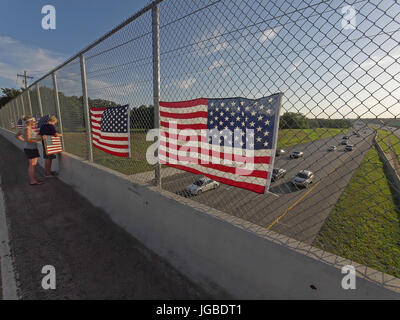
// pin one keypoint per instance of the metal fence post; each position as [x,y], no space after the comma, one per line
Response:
[22,104]
[58,110]
[13,105]
[39,100]
[29,101]
[156,85]
[86,107]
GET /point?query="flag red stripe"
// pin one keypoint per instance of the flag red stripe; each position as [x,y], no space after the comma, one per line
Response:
[120,154]
[110,138]
[184,104]
[116,146]
[198,114]
[97,109]
[195,126]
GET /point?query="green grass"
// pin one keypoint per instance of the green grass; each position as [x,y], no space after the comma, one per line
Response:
[364,225]
[75,143]
[291,137]
[386,138]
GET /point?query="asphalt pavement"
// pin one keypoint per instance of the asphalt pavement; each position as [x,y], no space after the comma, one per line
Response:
[296,212]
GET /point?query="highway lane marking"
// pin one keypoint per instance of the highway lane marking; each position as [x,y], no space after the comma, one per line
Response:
[8,282]
[293,205]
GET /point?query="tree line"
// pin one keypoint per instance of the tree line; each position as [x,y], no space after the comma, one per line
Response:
[296,120]
[142,117]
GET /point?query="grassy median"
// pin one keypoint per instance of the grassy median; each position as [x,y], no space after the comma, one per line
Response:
[292,137]
[385,139]
[364,225]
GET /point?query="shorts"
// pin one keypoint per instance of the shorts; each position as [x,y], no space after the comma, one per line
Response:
[47,156]
[32,153]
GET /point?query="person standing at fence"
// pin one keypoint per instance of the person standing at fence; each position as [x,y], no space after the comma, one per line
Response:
[49,129]
[30,138]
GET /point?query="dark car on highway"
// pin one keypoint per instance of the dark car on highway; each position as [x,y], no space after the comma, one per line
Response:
[277,174]
[345,138]
[279,152]
[296,154]
[349,147]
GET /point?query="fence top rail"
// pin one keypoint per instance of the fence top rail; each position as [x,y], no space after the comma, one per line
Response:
[93,44]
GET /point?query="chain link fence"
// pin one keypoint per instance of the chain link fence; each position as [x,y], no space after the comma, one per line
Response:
[337,63]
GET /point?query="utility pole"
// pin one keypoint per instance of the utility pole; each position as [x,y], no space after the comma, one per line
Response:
[25,76]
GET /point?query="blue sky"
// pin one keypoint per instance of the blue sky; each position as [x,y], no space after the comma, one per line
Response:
[78,23]
[218,49]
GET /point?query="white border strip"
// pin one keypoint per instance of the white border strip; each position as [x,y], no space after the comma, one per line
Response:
[8,282]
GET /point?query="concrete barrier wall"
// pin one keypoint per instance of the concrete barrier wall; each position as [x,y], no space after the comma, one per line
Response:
[393,177]
[227,256]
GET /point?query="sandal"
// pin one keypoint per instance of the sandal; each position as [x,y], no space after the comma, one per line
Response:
[37,183]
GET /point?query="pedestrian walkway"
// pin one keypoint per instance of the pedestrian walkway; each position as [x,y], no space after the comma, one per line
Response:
[53,225]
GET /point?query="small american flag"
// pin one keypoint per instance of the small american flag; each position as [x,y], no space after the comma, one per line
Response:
[231,140]
[36,127]
[20,124]
[53,144]
[110,130]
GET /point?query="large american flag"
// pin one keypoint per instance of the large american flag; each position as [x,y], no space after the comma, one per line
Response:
[53,144]
[110,130]
[230,140]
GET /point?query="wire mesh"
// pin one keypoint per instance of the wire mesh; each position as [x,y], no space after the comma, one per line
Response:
[71,108]
[337,63]
[47,96]
[119,72]
[34,101]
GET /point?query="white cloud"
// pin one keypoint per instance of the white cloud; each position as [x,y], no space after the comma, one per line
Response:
[15,57]
[216,64]
[295,65]
[269,34]
[379,60]
[185,84]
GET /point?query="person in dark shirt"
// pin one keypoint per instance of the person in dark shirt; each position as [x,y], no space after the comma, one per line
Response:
[49,129]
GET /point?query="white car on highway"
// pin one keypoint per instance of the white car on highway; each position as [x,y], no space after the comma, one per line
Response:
[201,185]
[303,179]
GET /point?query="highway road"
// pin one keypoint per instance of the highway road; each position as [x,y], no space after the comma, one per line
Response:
[296,212]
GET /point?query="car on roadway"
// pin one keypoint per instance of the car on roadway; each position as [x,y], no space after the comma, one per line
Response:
[296,154]
[332,148]
[345,138]
[201,185]
[303,179]
[277,173]
[279,152]
[349,147]
[344,142]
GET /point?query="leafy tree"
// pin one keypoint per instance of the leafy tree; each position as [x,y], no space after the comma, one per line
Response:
[293,120]
[7,95]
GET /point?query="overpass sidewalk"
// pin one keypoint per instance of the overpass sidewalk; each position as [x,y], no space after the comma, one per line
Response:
[53,225]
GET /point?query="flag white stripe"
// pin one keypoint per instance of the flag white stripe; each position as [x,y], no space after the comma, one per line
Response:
[118,150]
